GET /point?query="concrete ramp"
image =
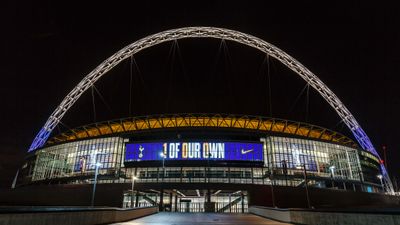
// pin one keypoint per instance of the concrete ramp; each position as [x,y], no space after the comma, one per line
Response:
[166,218]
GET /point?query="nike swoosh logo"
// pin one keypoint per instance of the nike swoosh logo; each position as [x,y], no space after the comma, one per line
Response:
[246,151]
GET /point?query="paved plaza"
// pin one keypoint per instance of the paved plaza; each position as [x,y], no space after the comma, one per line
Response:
[165,218]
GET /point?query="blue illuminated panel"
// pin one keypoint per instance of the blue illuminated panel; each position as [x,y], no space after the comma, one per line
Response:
[194,151]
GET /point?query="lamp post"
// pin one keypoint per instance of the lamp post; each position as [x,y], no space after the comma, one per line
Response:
[163,156]
[161,206]
[361,179]
[284,169]
[94,184]
[379,176]
[208,168]
[271,177]
[305,182]
[133,184]
[332,169]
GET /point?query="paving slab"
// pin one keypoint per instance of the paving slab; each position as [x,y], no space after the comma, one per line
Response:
[165,218]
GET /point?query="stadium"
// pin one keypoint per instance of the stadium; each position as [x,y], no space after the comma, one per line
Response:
[204,162]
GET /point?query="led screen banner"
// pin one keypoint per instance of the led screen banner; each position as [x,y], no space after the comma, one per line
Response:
[148,151]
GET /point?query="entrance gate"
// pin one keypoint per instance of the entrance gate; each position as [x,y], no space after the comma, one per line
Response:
[221,201]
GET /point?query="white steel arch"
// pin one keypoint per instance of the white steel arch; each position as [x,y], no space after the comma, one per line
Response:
[208,32]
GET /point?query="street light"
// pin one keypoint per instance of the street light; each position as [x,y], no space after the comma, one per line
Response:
[163,156]
[207,174]
[332,169]
[379,176]
[162,190]
[271,177]
[361,178]
[94,184]
[285,171]
[133,184]
[305,182]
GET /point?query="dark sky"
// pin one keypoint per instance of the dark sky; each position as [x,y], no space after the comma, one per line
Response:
[49,47]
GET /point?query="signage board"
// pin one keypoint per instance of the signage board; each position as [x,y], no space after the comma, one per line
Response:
[200,150]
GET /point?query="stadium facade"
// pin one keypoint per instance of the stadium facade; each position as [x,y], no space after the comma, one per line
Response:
[202,150]
[206,162]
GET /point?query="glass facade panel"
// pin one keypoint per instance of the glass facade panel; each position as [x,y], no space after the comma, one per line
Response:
[78,158]
[289,156]
[285,160]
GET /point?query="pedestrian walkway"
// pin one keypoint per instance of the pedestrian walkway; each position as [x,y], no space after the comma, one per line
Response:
[165,218]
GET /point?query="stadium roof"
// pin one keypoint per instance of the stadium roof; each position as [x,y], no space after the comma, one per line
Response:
[157,122]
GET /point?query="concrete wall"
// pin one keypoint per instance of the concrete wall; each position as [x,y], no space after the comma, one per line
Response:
[295,197]
[318,217]
[260,195]
[72,216]
[343,218]
[66,195]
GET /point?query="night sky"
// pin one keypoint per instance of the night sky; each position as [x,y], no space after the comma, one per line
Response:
[49,47]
